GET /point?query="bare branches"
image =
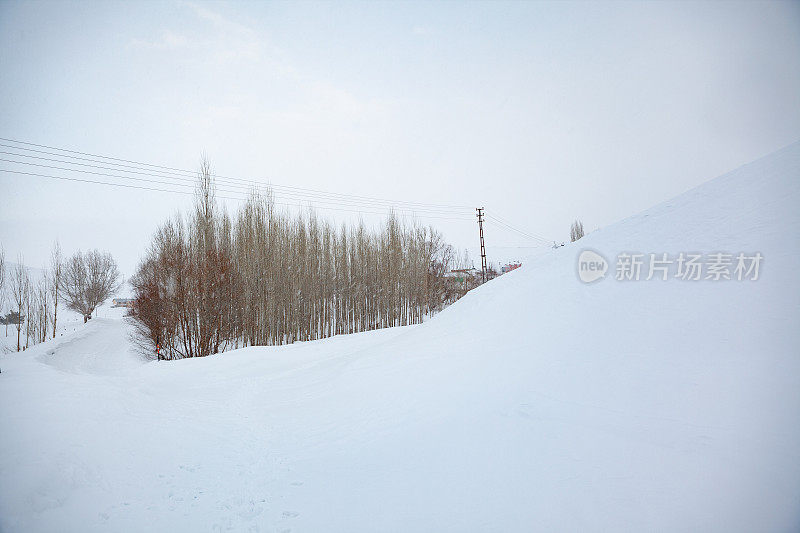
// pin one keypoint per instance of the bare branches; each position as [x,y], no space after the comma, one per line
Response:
[3,277]
[76,285]
[269,278]
[205,192]
[56,265]
[84,282]
[104,277]
[576,231]
[19,285]
[89,280]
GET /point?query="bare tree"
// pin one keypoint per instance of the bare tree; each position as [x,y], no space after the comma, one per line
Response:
[37,311]
[19,284]
[42,301]
[576,231]
[3,284]
[88,280]
[75,288]
[31,316]
[149,310]
[104,277]
[56,263]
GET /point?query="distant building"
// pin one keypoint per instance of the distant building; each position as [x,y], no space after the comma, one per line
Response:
[122,302]
[462,274]
[510,266]
[465,276]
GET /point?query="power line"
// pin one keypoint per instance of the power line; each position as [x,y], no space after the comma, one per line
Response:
[315,203]
[191,184]
[299,196]
[500,219]
[500,226]
[529,234]
[173,170]
[538,244]
[534,237]
[237,198]
[237,189]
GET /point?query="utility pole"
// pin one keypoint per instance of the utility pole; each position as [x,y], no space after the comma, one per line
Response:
[483,248]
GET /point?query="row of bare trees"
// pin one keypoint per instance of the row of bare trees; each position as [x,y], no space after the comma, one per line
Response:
[83,282]
[210,282]
[34,300]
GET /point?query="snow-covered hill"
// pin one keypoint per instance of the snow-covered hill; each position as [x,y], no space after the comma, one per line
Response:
[536,403]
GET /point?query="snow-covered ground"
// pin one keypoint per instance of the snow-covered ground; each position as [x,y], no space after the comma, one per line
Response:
[535,403]
[68,322]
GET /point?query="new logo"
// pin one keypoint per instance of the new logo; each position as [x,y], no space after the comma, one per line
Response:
[591,266]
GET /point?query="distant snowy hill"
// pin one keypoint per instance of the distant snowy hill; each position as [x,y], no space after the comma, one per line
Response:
[535,403]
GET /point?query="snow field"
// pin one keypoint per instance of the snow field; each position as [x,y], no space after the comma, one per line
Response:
[535,403]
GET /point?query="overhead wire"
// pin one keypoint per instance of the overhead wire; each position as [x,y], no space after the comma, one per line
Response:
[238,198]
[261,188]
[502,220]
[166,170]
[191,184]
[538,244]
[536,238]
[157,177]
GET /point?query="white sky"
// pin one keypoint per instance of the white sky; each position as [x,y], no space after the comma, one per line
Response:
[541,112]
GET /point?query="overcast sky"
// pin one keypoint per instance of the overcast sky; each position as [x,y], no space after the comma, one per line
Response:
[541,112]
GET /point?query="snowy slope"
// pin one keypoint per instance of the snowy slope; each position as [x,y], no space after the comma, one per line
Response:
[536,403]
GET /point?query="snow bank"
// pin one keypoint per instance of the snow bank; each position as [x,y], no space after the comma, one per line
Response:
[536,402]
